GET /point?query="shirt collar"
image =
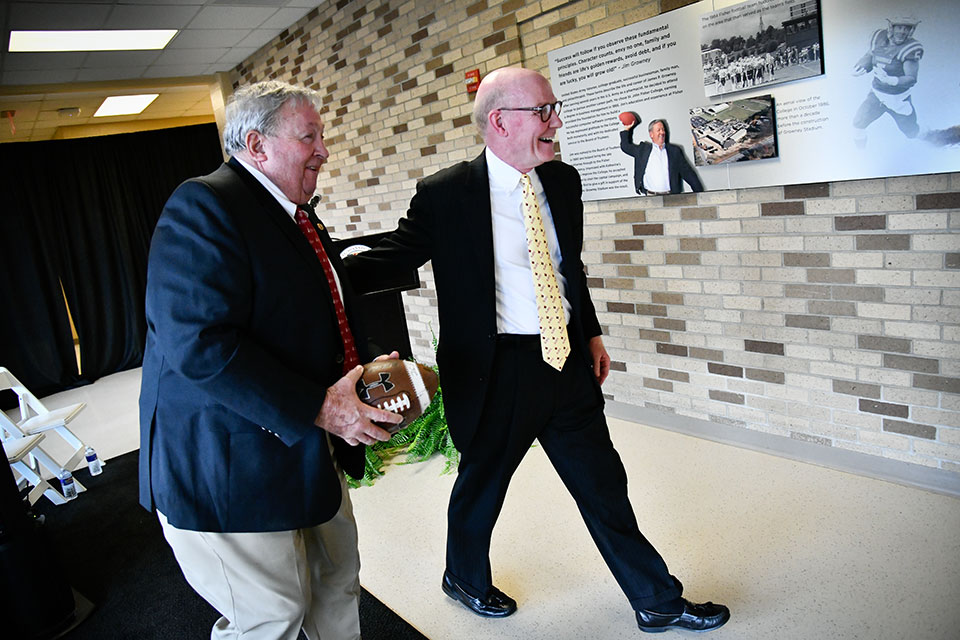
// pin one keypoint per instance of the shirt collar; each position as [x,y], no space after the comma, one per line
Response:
[503,176]
[284,201]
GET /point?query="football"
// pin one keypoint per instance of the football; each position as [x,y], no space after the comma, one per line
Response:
[628,118]
[398,386]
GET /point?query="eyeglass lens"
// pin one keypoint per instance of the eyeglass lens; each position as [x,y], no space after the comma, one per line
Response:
[547,110]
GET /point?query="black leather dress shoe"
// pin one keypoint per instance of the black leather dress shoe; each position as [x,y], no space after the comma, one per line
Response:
[694,617]
[497,604]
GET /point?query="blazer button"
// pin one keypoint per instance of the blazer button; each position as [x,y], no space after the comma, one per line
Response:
[339,358]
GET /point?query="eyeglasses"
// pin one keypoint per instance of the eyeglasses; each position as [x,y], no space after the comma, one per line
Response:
[545,110]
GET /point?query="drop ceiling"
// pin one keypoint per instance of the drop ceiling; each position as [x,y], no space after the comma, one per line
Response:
[44,88]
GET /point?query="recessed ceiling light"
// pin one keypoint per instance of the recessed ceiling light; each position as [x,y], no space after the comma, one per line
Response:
[104,40]
[125,105]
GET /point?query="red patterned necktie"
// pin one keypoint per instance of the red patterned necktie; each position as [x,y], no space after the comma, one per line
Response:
[350,357]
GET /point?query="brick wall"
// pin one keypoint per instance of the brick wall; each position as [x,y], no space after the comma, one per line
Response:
[826,313]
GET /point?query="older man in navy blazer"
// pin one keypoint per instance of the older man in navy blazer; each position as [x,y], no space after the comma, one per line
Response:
[499,391]
[248,411]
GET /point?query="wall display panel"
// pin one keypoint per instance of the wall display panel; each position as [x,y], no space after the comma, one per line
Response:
[859,119]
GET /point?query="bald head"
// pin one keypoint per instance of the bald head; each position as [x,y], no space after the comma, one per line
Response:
[497,89]
[510,130]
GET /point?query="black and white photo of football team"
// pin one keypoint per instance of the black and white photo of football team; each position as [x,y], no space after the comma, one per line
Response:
[759,43]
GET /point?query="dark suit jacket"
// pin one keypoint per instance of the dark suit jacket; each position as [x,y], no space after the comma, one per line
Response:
[449,222]
[677,165]
[242,343]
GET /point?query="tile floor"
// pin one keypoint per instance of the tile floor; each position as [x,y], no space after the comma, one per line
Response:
[797,551]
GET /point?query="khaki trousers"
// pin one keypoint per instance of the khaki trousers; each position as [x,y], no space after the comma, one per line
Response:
[267,586]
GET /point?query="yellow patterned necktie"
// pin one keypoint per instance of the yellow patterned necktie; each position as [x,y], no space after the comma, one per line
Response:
[554,342]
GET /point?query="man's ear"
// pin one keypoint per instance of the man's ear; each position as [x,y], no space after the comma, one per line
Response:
[254,142]
[495,123]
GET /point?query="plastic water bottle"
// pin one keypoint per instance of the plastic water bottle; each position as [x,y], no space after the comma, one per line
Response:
[93,462]
[67,484]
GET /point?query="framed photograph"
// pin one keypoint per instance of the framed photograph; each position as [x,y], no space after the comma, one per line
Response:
[734,131]
[759,43]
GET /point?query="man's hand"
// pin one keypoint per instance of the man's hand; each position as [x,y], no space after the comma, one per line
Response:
[601,359]
[342,413]
[393,355]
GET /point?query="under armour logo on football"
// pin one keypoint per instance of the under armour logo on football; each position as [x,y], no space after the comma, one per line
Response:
[383,382]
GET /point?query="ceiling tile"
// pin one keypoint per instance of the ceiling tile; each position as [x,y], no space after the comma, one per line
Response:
[87,106]
[283,19]
[42,15]
[215,35]
[177,2]
[45,118]
[35,61]
[46,76]
[254,3]
[236,55]
[156,16]
[190,56]
[101,74]
[172,71]
[23,98]
[22,114]
[118,59]
[207,38]
[44,133]
[231,17]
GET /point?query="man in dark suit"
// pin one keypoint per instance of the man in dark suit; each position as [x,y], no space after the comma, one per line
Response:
[659,166]
[248,410]
[517,361]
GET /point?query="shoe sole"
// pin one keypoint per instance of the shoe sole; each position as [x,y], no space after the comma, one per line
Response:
[678,627]
[453,596]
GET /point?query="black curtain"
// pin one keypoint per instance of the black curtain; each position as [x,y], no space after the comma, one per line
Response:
[81,213]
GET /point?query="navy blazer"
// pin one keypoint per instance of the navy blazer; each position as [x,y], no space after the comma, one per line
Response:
[242,343]
[677,165]
[449,222]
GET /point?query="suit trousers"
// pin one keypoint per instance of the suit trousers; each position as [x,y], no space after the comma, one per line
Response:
[267,586]
[528,400]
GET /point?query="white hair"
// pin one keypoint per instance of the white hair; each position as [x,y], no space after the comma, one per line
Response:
[255,108]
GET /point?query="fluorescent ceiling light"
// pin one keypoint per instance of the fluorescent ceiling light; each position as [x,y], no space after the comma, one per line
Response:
[125,105]
[104,40]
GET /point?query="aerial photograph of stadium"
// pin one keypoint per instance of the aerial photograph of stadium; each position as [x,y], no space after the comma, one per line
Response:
[734,131]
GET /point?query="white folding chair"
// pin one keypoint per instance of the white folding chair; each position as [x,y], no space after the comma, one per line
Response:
[36,418]
[18,450]
[35,457]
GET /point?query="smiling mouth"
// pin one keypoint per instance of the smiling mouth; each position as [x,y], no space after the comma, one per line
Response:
[546,140]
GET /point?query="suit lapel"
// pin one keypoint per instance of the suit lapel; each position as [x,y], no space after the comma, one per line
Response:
[272,210]
[476,204]
[558,210]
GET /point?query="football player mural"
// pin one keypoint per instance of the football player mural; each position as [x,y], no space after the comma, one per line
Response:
[894,58]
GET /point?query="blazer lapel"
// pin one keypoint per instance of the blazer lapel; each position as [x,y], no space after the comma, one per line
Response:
[270,208]
[476,205]
[558,210]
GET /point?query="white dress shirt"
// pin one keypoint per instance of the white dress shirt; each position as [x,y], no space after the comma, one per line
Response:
[288,206]
[516,300]
[657,176]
